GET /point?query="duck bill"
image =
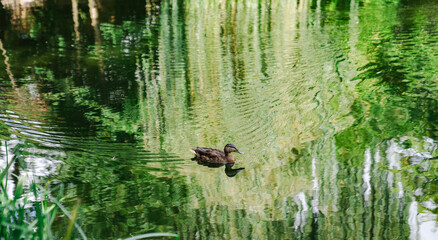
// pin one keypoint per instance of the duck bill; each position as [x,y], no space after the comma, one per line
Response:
[239,151]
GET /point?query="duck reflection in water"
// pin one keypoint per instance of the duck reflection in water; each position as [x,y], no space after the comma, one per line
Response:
[215,158]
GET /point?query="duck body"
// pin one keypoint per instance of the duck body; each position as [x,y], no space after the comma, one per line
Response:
[215,156]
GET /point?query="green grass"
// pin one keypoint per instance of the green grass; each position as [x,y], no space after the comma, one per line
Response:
[29,213]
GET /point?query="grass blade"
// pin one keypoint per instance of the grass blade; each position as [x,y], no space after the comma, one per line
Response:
[64,210]
[150,235]
[72,220]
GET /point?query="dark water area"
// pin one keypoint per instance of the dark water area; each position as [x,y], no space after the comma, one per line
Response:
[334,104]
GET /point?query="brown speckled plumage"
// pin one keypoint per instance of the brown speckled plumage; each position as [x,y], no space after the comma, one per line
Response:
[212,155]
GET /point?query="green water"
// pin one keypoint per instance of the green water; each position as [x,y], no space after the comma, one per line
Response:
[333,102]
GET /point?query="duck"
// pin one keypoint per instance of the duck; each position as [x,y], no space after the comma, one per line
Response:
[215,156]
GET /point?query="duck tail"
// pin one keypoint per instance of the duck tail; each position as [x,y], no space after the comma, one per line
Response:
[192,150]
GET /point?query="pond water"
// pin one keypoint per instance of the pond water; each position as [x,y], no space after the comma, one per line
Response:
[334,104]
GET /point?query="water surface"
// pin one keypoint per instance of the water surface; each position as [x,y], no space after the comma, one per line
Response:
[333,103]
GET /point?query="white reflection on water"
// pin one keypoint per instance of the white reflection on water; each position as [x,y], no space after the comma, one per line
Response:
[300,217]
[429,204]
[315,201]
[412,221]
[422,225]
[377,155]
[394,158]
[366,174]
[334,174]
[428,227]
[40,164]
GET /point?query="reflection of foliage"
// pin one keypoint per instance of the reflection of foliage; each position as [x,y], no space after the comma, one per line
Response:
[420,171]
[126,121]
[4,130]
[44,74]
[121,197]
[126,33]
[402,65]
[397,97]
[397,94]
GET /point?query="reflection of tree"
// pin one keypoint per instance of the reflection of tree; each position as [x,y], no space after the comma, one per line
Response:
[403,69]
[257,73]
[8,66]
[75,13]
[396,98]
[120,196]
[21,12]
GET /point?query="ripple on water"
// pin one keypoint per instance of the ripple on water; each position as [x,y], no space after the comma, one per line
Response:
[42,142]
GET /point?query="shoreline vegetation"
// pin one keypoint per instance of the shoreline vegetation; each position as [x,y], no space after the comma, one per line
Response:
[29,212]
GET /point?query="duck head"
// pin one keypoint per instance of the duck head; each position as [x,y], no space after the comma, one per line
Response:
[231,148]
